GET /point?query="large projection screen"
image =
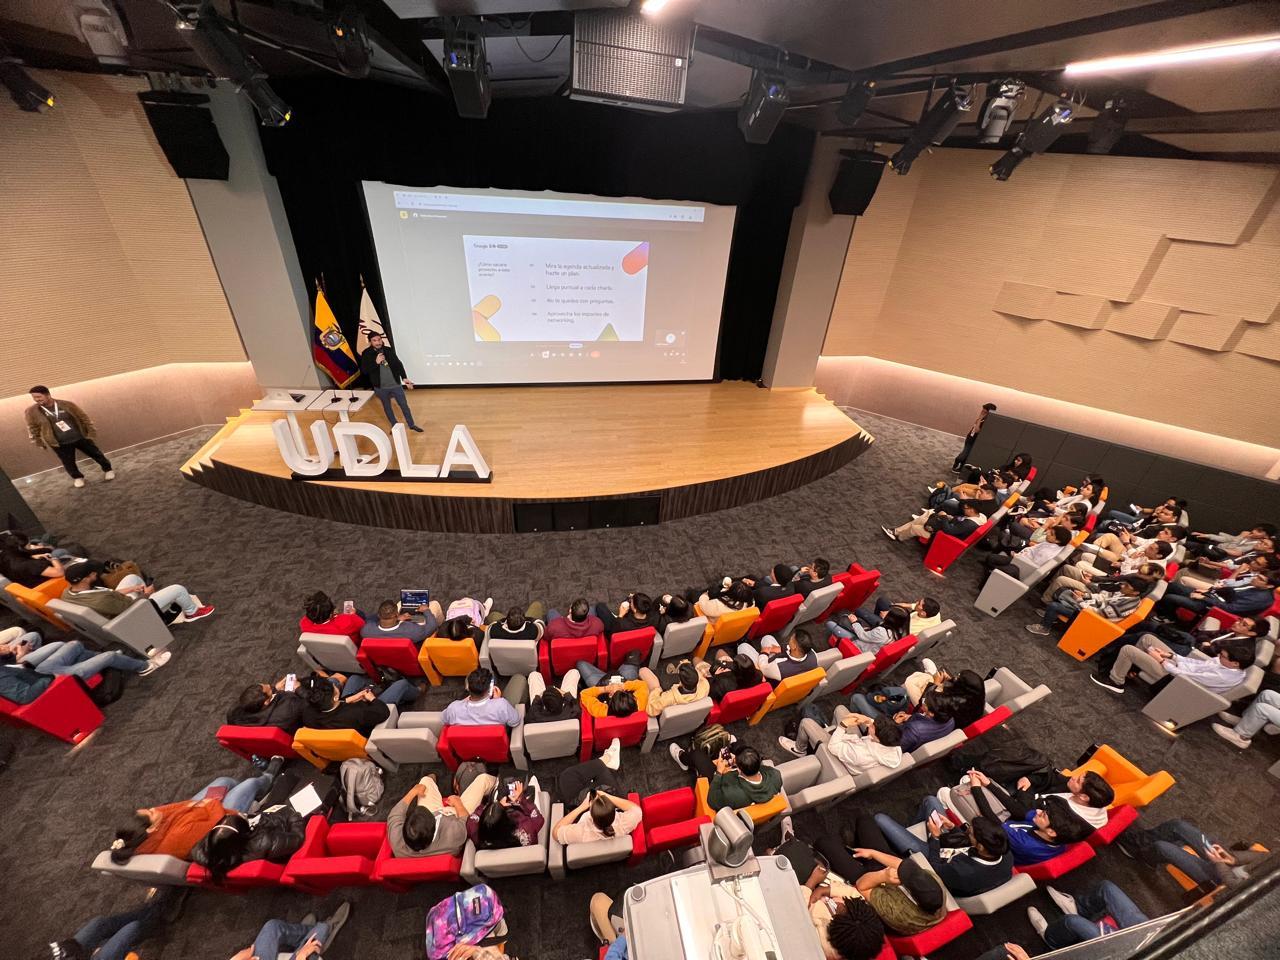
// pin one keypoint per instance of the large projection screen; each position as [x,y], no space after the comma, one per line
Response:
[512,287]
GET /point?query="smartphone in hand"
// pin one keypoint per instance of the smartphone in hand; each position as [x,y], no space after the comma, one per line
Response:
[348,606]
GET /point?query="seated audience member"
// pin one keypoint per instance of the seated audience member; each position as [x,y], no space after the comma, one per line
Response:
[1138,516]
[776,664]
[114,937]
[728,597]
[969,860]
[1225,546]
[1087,793]
[477,611]
[932,719]
[264,705]
[462,629]
[1111,604]
[1242,601]
[70,658]
[319,616]
[1208,863]
[925,612]
[1103,909]
[17,642]
[691,685]
[615,698]
[848,928]
[580,622]
[338,702]
[908,898]
[672,608]
[600,812]
[1147,561]
[1216,674]
[775,585]
[275,836]
[83,589]
[484,703]
[305,940]
[518,624]
[1114,547]
[1206,641]
[1240,730]
[931,522]
[1033,555]
[507,818]
[174,828]
[634,613]
[392,623]
[27,567]
[736,775]
[1035,833]
[813,576]
[726,673]
[894,625]
[1205,576]
[859,744]
[548,704]
[424,823]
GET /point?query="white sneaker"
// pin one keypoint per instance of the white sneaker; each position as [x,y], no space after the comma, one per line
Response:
[789,745]
[1134,508]
[157,661]
[788,829]
[1229,735]
[944,797]
[675,752]
[612,756]
[929,666]
[1065,902]
[890,534]
[1038,923]
[78,482]
[109,475]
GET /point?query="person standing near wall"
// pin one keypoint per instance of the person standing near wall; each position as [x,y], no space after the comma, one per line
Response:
[971,437]
[385,373]
[64,428]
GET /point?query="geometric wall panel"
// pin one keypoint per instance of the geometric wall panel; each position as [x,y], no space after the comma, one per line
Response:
[1148,321]
[1261,340]
[1208,331]
[1076,311]
[1024,300]
[1242,280]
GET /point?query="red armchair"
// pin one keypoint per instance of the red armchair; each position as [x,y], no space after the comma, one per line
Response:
[1119,819]
[400,874]
[775,616]
[954,924]
[859,585]
[630,730]
[740,704]
[670,820]
[944,550]
[559,656]
[250,742]
[1070,858]
[247,876]
[64,710]
[490,743]
[399,653]
[338,855]
[621,644]
[988,722]
[885,660]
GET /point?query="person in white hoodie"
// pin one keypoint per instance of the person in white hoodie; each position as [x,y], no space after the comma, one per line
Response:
[857,743]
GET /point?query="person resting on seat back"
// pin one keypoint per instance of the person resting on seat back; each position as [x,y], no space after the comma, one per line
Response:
[1087,793]
[813,576]
[509,817]
[424,824]
[690,686]
[1218,674]
[319,615]
[83,589]
[741,779]
[391,622]
[925,612]
[773,586]
[634,613]
[728,674]
[1110,604]
[518,624]
[264,705]
[934,716]
[859,744]
[338,702]
[969,860]
[931,522]
[29,567]
[613,699]
[549,704]
[483,704]
[1035,833]
[580,622]
[1241,601]
[777,663]
[894,625]
[729,596]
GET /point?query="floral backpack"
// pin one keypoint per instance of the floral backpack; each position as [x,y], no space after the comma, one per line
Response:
[467,917]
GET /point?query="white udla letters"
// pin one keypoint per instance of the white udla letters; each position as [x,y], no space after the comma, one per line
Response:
[461,455]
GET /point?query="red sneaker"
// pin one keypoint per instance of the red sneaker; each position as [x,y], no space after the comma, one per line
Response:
[200,614]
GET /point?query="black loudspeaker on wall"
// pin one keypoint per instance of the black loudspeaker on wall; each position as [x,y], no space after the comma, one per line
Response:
[856,181]
[185,131]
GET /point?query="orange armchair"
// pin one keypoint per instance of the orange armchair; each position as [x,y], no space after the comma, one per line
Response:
[36,599]
[320,747]
[1090,632]
[1132,787]
[759,812]
[730,628]
[441,657]
[791,690]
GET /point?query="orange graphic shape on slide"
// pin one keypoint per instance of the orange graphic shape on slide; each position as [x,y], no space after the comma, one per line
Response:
[480,316]
[636,260]
[608,333]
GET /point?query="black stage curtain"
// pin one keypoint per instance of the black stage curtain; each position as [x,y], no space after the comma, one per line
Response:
[345,131]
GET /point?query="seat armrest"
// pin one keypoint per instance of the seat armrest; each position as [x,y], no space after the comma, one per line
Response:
[1184,701]
[141,627]
[555,849]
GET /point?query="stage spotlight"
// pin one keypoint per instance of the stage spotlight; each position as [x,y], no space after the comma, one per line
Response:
[26,93]
[468,69]
[766,102]
[855,101]
[351,42]
[938,123]
[1108,126]
[209,36]
[997,113]
[1038,136]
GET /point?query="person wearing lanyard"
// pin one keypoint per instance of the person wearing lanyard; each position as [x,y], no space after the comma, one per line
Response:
[64,428]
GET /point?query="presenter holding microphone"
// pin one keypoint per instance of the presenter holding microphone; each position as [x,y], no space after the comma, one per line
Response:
[385,373]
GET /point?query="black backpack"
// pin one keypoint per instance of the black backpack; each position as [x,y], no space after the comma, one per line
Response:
[110,689]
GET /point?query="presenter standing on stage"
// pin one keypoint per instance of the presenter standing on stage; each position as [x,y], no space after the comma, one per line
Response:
[385,373]
[64,428]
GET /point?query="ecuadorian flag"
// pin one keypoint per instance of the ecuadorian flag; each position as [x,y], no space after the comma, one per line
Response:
[329,348]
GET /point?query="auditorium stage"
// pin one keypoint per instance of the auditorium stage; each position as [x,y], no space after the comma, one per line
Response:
[562,457]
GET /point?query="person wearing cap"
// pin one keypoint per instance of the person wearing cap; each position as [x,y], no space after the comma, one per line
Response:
[83,588]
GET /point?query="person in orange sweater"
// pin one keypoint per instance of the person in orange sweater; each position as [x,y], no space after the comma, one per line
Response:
[172,829]
[616,699]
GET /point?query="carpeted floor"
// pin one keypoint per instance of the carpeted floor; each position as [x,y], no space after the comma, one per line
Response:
[256,565]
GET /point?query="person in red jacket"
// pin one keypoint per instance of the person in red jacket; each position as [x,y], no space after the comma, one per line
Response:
[319,616]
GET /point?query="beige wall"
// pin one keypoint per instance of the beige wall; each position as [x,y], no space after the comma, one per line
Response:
[103,267]
[1146,287]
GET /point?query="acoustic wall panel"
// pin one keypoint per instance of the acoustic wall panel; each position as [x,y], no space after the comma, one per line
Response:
[1207,331]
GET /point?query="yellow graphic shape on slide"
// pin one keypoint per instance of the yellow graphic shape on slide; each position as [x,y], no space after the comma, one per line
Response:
[481,313]
[608,333]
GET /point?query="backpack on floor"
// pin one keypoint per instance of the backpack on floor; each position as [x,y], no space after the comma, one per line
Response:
[711,739]
[110,688]
[361,786]
[467,917]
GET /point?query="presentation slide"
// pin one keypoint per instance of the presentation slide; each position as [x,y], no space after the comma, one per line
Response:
[511,287]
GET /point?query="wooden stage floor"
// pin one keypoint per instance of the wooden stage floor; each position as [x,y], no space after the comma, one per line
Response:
[700,447]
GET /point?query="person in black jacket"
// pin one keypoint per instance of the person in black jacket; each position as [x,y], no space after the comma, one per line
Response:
[969,860]
[326,708]
[262,705]
[385,374]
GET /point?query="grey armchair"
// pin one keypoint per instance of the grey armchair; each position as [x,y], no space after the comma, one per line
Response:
[818,780]
[931,637]
[1001,591]
[680,639]
[840,674]
[156,869]
[1183,701]
[546,740]
[507,657]
[1007,689]
[140,627]
[411,739]
[563,857]
[478,865]
[322,651]
[814,606]
[676,721]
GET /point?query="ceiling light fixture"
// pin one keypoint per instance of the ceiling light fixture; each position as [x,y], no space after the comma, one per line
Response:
[855,101]
[1252,47]
[1108,126]
[997,113]
[26,91]
[938,123]
[1038,135]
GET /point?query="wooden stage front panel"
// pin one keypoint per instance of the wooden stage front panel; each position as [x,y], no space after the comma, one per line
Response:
[699,447]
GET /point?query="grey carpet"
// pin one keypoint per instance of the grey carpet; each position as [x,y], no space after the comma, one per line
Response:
[256,565]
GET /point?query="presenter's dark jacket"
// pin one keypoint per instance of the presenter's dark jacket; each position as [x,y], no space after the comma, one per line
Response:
[369,365]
